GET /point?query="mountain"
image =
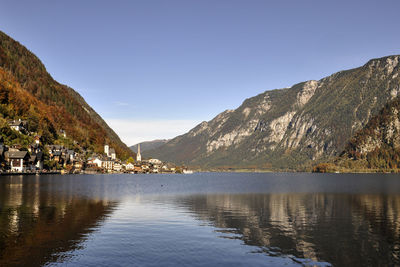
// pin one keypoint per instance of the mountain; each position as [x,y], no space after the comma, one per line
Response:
[148,145]
[290,128]
[28,92]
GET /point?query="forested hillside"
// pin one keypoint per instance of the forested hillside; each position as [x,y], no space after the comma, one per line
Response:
[377,145]
[28,92]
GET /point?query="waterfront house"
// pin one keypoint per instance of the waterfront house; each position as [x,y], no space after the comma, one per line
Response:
[78,165]
[98,161]
[117,166]
[94,161]
[129,166]
[36,161]
[68,156]
[18,160]
[138,169]
[32,163]
[107,164]
[145,167]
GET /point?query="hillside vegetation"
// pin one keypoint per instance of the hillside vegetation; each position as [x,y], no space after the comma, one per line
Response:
[377,145]
[28,92]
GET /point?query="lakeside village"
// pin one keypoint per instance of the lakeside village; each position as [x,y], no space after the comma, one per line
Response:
[58,159]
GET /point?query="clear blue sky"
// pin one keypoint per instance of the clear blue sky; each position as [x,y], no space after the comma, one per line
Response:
[153,69]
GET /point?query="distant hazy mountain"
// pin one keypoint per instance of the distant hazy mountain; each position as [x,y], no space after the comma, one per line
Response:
[293,127]
[28,92]
[148,145]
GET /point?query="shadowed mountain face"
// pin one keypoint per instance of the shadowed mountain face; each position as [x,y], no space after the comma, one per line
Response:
[37,226]
[148,145]
[291,127]
[28,91]
[342,229]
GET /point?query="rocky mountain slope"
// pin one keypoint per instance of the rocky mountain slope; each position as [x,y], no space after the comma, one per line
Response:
[148,145]
[293,127]
[29,92]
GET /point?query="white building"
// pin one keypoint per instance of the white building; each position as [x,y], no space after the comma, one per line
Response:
[16,160]
[108,164]
[129,166]
[155,161]
[98,162]
[117,167]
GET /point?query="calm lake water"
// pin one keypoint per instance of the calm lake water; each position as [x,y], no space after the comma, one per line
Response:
[203,219]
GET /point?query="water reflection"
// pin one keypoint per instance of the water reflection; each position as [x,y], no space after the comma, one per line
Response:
[343,229]
[36,225]
[202,219]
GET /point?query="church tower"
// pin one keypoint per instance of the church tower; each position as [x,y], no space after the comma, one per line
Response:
[106,149]
[138,156]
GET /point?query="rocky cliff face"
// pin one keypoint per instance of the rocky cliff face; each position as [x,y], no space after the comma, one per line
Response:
[291,127]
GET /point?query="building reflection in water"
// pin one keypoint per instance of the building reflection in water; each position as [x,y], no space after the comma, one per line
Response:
[37,224]
[343,229]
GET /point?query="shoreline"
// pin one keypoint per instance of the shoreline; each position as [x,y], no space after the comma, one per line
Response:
[356,171]
[28,173]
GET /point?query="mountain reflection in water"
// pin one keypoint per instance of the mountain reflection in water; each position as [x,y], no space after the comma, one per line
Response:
[204,219]
[343,229]
[37,225]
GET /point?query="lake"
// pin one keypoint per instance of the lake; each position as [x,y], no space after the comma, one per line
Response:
[201,219]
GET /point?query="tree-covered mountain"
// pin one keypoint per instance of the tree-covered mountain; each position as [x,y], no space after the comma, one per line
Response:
[290,128]
[148,145]
[28,92]
[377,145]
